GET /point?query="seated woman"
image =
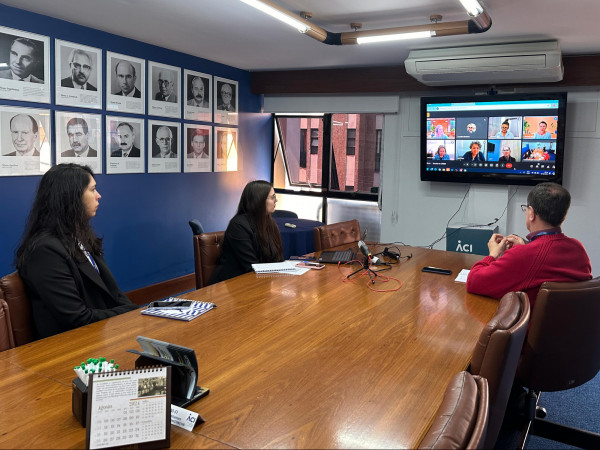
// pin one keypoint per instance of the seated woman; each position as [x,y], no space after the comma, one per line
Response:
[252,235]
[60,257]
[441,154]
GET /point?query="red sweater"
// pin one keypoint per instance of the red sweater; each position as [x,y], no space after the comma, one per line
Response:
[554,257]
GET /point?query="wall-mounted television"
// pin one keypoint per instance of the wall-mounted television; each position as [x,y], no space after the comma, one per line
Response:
[500,139]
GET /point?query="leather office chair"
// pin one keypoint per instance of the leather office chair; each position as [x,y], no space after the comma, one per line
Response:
[6,333]
[196,226]
[461,420]
[284,213]
[12,291]
[562,351]
[207,250]
[334,234]
[496,355]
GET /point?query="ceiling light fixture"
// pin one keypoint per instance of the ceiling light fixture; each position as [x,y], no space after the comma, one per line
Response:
[479,22]
[279,13]
[395,37]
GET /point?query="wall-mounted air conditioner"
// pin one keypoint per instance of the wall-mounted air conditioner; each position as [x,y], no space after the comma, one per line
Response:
[531,62]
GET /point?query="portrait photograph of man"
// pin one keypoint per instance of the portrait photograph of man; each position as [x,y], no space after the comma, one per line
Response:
[126,81]
[198,148]
[24,64]
[198,96]
[164,146]
[226,98]
[78,72]
[78,138]
[124,145]
[25,139]
[164,90]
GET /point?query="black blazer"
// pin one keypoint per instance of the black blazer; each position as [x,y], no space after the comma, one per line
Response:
[239,251]
[66,293]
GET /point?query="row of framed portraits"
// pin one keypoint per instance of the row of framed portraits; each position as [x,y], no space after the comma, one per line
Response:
[25,75]
[26,143]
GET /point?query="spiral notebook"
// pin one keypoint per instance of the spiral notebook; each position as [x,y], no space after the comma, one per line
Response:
[129,408]
[187,314]
[280,267]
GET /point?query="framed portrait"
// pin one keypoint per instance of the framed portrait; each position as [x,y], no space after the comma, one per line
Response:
[164,146]
[125,150]
[226,101]
[164,90]
[226,149]
[25,141]
[125,83]
[77,75]
[79,139]
[198,148]
[24,66]
[198,89]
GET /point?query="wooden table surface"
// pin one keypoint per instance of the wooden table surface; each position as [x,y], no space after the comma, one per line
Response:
[291,361]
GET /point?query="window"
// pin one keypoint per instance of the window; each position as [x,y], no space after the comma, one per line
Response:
[343,153]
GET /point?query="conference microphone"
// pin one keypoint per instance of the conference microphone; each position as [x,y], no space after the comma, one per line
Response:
[364,249]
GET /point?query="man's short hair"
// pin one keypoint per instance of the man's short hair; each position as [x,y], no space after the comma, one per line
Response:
[34,125]
[550,201]
[30,43]
[477,143]
[125,124]
[544,122]
[78,51]
[78,121]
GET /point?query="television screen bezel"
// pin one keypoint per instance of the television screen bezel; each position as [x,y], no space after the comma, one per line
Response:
[491,178]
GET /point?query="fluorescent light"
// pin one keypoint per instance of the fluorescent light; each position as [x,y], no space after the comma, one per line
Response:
[286,18]
[394,37]
[472,6]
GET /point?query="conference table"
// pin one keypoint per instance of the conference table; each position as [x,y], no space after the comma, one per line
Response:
[309,361]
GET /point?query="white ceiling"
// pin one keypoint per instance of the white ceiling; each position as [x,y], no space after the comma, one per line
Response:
[233,33]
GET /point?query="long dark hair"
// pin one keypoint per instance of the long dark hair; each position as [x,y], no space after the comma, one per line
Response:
[58,211]
[253,202]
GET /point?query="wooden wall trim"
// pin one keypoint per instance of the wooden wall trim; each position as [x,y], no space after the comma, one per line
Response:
[162,290]
[579,71]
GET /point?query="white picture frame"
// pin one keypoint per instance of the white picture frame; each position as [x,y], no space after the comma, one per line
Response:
[26,55]
[226,107]
[125,134]
[198,96]
[157,161]
[125,83]
[72,64]
[32,137]
[164,90]
[226,149]
[198,148]
[79,132]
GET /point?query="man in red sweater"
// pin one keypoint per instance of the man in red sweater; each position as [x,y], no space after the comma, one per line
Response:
[515,264]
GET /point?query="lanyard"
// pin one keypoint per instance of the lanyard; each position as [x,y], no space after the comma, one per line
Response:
[88,255]
[533,238]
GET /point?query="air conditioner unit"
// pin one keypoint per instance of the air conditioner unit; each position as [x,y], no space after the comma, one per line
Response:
[532,62]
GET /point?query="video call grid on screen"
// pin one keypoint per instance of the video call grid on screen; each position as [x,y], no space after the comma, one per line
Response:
[530,133]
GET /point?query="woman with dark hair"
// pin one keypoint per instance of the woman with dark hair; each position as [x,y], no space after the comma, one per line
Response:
[60,257]
[252,235]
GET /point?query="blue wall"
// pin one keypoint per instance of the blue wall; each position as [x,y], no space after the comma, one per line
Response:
[143,217]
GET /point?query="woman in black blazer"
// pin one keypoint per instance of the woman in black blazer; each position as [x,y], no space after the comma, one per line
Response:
[60,258]
[252,235]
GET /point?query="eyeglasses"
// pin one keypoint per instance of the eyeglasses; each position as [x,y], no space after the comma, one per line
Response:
[163,140]
[273,197]
[165,82]
[79,66]
[524,207]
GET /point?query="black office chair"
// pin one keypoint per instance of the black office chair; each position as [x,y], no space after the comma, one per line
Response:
[284,213]
[196,226]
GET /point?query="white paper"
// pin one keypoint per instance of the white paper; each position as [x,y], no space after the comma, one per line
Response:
[183,418]
[462,276]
